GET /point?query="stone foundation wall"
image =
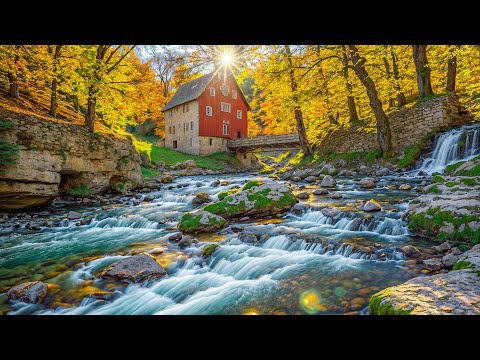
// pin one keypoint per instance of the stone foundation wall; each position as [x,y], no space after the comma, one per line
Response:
[56,156]
[408,125]
[218,144]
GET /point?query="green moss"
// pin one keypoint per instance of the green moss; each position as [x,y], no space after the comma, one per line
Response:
[434,189]
[475,171]
[450,184]
[214,221]
[463,265]
[451,168]
[350,156]
[372,156]
[82,190]
[223,207]
[224,194]
[149,173]
[410,154]
[189,223]
[209,249]
[469,181]
[429,97]
[252,183]
[437,179]
[375,307]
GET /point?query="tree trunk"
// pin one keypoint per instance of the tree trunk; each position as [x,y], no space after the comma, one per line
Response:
[384,136]
[452,73]
[401,100]
[76,106]
[91,103]
[53,96]
[391,101]
[297,110]
[352,109]
[13,89]
[423,70]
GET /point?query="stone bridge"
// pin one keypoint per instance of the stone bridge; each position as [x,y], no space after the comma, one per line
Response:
[244,147]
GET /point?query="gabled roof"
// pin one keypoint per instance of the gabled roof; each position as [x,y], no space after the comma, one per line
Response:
[192,90]
[189,91]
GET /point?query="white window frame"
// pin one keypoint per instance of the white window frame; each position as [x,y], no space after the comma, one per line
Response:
[207,109]
[234,94]
[226,126]
[212,91]
[225,107]
[239,112]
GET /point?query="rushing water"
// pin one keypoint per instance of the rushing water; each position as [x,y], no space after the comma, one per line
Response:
[458,144]
[306,262]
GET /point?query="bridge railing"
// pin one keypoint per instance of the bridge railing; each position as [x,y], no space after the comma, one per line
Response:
[263,140]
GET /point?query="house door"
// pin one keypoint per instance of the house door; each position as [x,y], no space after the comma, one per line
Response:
[175,144]
[239,135]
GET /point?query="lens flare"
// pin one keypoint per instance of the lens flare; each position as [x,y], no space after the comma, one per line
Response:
[310,302]
[227,58]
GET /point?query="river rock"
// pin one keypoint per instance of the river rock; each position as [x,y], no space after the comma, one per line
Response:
[310,179]
[328,181]
[299,209]
[175,237]
[201,198]
[405,187]
[296,179]
[382,172]
[320,192]
[443,247]
[148,197]
[411,251]
[367,183]
[455,251]
[209,250]
[201,221]
[215,183]
[30,292]
[449,260]
[248,237]
[328,169]
[266,199]
[137,268]
[336,196]
[73,215]
[422,173]
[433,264]
[303,195]
[330,212]
[165,179]
[372,205]
[185,241]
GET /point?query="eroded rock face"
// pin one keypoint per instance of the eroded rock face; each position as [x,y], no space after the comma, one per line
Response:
[257,200]
[137,268]
[30,292]
[201,221]
[54,157]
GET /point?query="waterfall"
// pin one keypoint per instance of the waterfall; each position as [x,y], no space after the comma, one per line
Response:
[449,149]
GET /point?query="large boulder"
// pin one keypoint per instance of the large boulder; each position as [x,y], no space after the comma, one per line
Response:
[201,198]
[29,292]
[330,212]
[433,264]
[201,221]
[328,181]
[164,179]
[255,199]
[137,268]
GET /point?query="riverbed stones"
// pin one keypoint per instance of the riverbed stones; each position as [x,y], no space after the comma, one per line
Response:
[74,215]
[328,181]
[449,260]
[433,264]
[411,251]
[443,247]
[296,179]
[165,179]
[175,237]
[367,183]
[382,172]
[185,241]
[201,198]
[336,196]
[310,179]
[319,192]
[330,212]
[372,205]
[405,187]
[303,195]
[248,237]
[137,268]
[30,292]
[201,221]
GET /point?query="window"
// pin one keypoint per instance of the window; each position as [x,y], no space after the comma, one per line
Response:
[234,94]
[173,129]
[226,129]
[211,142]
[191,125]
[191,141]
[225,107]
[185,108]
[239,114]
[175,144]
[184,127]
[212,91]
[208,110]
[219,76]
[239,135]
[170,113]
[169,129]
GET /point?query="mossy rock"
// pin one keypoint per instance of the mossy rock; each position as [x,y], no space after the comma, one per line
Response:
[224,194]
[378,305]
[209,250]
[201,221]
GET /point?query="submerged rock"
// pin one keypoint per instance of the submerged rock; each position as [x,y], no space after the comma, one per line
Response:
[328,181]
[201,221]
[137,268]
[372,205]
[30,292]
